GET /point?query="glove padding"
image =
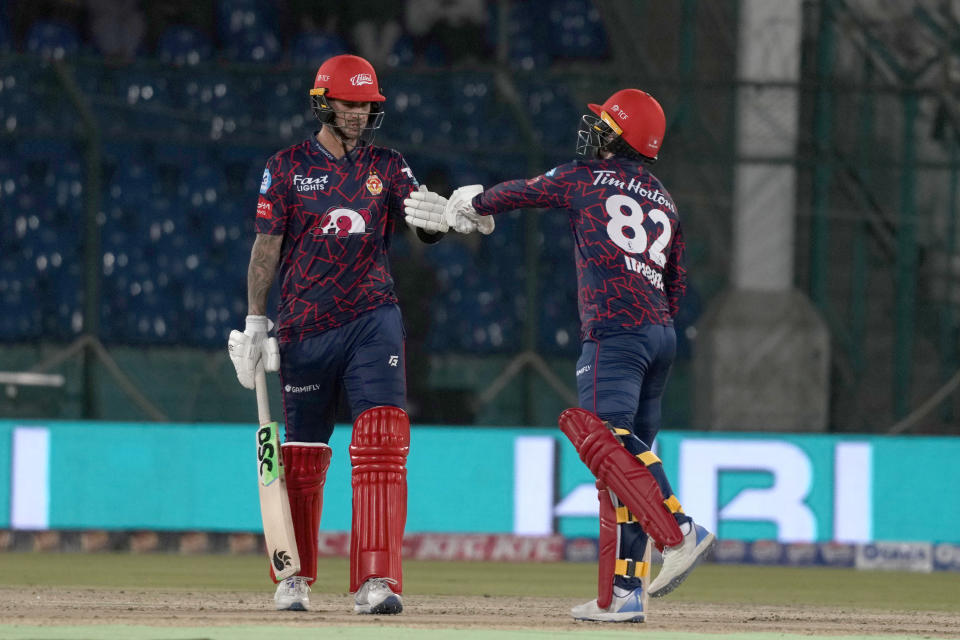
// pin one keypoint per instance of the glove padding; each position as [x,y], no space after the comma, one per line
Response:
[460,214]
[247,348]
[424,209]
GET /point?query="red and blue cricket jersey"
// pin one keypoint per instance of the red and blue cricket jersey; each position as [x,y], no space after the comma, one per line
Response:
[628,243]
[336,218]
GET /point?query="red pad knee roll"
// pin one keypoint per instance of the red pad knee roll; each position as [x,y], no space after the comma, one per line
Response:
[378,453]
[305,465]
[626,476]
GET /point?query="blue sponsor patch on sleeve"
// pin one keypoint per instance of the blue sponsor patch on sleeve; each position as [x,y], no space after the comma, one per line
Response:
[550,173]
[266,182]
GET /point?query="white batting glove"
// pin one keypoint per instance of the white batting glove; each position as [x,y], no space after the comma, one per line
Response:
[247,348]
[460,214]
[424,209]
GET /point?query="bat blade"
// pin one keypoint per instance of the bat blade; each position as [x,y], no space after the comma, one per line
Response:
[275,505]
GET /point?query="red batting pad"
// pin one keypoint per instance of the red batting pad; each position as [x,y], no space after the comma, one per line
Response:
[381,441]
[305,465]
[627,477]
[606,547]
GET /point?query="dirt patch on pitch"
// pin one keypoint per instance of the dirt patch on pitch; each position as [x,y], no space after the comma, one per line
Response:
[77,606]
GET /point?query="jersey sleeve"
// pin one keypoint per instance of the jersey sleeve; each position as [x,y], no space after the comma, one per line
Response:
[551,190]
[402,182]
[271,204]
[675,272]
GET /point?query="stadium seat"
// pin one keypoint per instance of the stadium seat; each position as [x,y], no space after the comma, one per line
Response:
[419,111]
[141,100]
[237,16]
[282,107]
[54,40]
[401,55]
[311,48]
[202,186]
[6,43]
[473,98]
[18,290]
[133,184]
[214,309]
[254,45]
[64,183]
[220,104]
[184,46]
[527,33]
[578,30]
[62,295]
[553,113]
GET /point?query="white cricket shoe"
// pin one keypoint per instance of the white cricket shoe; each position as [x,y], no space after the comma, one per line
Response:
[376,596]
[680,560]
[292,594]
[627,605]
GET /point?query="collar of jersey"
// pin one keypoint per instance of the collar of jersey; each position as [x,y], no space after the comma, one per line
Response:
[316,146]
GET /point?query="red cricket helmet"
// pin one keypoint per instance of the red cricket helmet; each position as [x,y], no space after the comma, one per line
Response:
[636,118]
[349,78]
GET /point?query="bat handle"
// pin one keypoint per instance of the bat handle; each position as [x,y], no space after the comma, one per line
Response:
[263,402]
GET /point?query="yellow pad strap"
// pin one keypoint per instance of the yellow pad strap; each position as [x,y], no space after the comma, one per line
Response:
[673,504]
[648,458]
[621,432]
[624,516]
[632,568]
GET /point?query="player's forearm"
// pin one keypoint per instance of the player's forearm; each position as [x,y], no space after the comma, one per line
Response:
[263,267]
[510,195]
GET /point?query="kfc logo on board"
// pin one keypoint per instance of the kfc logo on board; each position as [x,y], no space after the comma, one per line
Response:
[361,79]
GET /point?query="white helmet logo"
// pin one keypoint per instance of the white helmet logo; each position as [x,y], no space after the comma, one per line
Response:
[361,79]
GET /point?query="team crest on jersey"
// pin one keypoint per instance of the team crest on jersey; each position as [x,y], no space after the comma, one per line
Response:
[341,222]
[374,184]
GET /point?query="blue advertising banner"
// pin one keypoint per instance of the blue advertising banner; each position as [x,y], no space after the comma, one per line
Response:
[791,488]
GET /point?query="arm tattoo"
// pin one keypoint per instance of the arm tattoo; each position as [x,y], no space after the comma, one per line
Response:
[263,266]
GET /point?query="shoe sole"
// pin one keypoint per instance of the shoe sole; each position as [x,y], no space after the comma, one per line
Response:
[705,546]
[296,606]
[390,606]
[632,616]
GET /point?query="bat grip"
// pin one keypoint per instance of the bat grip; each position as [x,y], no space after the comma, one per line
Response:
[263,402]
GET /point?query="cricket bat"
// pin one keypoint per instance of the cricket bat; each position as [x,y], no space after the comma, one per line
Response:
[274,503]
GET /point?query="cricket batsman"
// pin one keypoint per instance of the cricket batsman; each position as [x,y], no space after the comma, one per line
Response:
[327,209]
[629,252]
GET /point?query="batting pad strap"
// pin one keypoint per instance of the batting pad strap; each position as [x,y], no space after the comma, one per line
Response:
[624,516]
[673,504]
[648,458]
[632,568]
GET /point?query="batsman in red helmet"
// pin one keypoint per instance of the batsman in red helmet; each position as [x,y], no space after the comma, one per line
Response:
[629,252]
[327,210]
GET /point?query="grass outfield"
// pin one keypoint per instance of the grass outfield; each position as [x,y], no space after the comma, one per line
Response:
[712,583]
